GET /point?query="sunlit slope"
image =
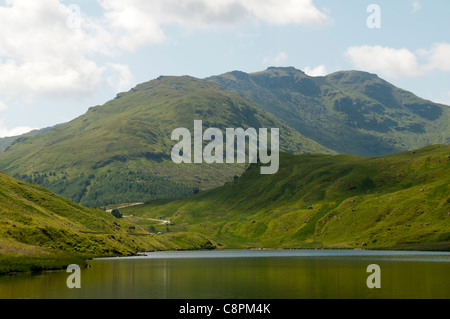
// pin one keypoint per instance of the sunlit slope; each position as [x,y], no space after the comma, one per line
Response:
[326,201]
[120,151]
[40,230]
[351,112]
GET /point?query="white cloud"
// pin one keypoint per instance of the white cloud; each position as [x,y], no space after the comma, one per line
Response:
[286,12]
[400,62]
[209,13]
[280,58]
[317,71]
[4,132]
[133,23]
[123,79]
[416,6]
[56,78]
[41,55]
[437,56]
[141,22]
[3,106]
[385,60]
[48,48]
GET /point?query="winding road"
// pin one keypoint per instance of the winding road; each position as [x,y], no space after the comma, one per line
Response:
[163,222]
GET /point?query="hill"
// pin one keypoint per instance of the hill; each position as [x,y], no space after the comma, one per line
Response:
[350,112]
[322,201]
[40,230]
[5,142]
[120,152]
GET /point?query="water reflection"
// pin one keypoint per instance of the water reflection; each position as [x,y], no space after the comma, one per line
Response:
[245,275]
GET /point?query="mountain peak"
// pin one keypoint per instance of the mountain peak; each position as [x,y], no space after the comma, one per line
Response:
[284,68]
[353,76]
[353,112]
[284,71]
[170,83]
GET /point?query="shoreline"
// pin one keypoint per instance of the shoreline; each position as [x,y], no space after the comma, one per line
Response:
[409,248]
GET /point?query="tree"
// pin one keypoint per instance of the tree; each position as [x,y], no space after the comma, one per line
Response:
[116,213]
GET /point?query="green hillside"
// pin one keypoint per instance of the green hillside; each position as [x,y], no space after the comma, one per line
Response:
[350,112]
[40,230]
[318,201]
[120,151]
[5,142]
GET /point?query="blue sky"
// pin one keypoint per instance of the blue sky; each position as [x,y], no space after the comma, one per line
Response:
[58,58]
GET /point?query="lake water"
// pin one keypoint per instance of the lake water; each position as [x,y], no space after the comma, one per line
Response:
[245,274]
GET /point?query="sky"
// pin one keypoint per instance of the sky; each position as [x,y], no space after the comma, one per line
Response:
[58,58]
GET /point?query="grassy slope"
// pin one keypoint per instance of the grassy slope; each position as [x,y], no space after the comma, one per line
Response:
[402,200]
[350,112]
[132,134]
[40,230]
[5,142]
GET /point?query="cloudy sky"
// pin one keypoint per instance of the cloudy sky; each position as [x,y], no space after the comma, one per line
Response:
[58,58]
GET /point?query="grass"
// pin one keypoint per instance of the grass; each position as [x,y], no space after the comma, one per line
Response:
[401,200]
[41,231]
[121,151]
[314,201]
[350,112]
[12,263]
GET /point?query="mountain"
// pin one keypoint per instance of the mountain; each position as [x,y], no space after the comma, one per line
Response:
[350,112]
[323,201]
[40,230]
[121,151]
[5,142]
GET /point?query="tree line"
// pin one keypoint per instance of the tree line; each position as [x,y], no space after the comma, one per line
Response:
[109,188]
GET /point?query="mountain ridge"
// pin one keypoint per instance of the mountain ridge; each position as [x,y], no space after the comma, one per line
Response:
[40,231]
[351,112]
[120,151]
[325,201]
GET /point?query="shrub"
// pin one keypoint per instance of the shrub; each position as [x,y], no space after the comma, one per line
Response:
[116,213]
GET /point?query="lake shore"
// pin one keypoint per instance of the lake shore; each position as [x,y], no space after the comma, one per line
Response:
[244,274]
[11,265]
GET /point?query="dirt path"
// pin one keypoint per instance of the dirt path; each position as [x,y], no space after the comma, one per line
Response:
[136,204]
[163,222]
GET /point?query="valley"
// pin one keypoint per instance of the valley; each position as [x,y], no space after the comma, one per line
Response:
[121,151]
[322,201]
[362,165]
